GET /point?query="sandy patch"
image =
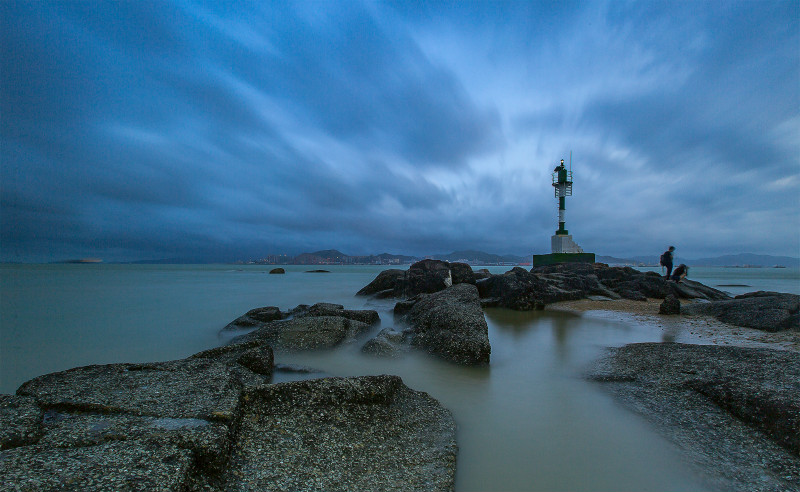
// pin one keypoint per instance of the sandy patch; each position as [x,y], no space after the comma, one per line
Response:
[684,329]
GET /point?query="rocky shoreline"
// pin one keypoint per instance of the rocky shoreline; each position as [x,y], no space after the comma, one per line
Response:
[215,421]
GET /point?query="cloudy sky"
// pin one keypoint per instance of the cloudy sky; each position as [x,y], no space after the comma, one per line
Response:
[136,130]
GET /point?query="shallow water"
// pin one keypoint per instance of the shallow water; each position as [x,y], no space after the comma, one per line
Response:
[527,422]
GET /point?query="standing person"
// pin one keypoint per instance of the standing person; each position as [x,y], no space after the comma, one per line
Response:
[666,260]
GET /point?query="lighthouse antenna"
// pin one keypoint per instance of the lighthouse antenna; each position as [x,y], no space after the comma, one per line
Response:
[570,161]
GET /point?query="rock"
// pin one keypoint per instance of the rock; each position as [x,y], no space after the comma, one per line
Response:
[522,290]
[449,324]
[318,271]
[671,305]
[367,316]
[20,421]
[768,311]
[385,281]
[735,410]
[427,276]
[205,386]
[260,360]
[387,343]
[275,271]
[423,277]
[482,274]
[255,318]
[306,333]
[462,273]
[368,433]
[208,423]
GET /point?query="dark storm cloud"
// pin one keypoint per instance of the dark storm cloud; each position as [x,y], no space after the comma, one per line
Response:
[145,129]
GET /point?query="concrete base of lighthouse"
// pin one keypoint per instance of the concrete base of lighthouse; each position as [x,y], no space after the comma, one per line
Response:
[564,244]
[565,250]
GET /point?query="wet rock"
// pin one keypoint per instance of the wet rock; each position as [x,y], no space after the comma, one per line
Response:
[209,423]
[521,290]
[449,324]
[306,333]
[367,433]
[260,360]
[423,277]
[205,386]
[768,311]
[367,316]
[482,274]
[384,282]
[387,343]
[255,318]
[20,420]
[733,410]
[670,305]
[277,271]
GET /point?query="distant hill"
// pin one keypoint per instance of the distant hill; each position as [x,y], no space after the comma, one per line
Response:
[480,257]
[740,260]
[746,259]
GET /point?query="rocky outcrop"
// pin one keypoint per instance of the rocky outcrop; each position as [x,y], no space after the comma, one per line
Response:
[732,409]
[423,277]
[768,311]
[211,423]
[255,318]
[367,316]
[449,324]
[306,333]
[329,332]
[522,290]
[368,433]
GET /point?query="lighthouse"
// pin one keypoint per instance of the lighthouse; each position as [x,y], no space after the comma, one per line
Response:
[563,248]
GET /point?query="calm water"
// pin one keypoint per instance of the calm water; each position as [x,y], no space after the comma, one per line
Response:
[527,422]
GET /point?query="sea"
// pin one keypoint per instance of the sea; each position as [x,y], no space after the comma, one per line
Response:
[528,421]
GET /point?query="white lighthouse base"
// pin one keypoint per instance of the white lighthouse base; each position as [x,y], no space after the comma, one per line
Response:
[564,244]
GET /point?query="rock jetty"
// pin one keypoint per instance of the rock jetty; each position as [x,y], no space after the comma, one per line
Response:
[525,290]
[213,422]
[717,403]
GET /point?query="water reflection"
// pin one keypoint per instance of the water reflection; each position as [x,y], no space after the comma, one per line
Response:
[530,421]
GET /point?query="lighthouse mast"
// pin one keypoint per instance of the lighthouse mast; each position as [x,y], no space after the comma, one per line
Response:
[562,182]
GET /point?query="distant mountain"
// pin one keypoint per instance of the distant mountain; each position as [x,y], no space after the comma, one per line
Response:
[740,260]
[480,257]
[611,260]
[746,259]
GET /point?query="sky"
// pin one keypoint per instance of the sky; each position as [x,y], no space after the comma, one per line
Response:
[140,130]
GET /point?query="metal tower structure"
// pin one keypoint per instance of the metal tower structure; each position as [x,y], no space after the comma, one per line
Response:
[562,184]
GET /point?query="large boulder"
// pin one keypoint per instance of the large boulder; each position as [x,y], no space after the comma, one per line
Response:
[736,410]
[449,324]
[384,282]
[306,333]
[521,290]
[768,311]
[255,318]
[423,277]
[368,433]
[153,426]
[367,316]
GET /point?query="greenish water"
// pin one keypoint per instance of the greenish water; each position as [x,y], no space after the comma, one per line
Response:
[527,422]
